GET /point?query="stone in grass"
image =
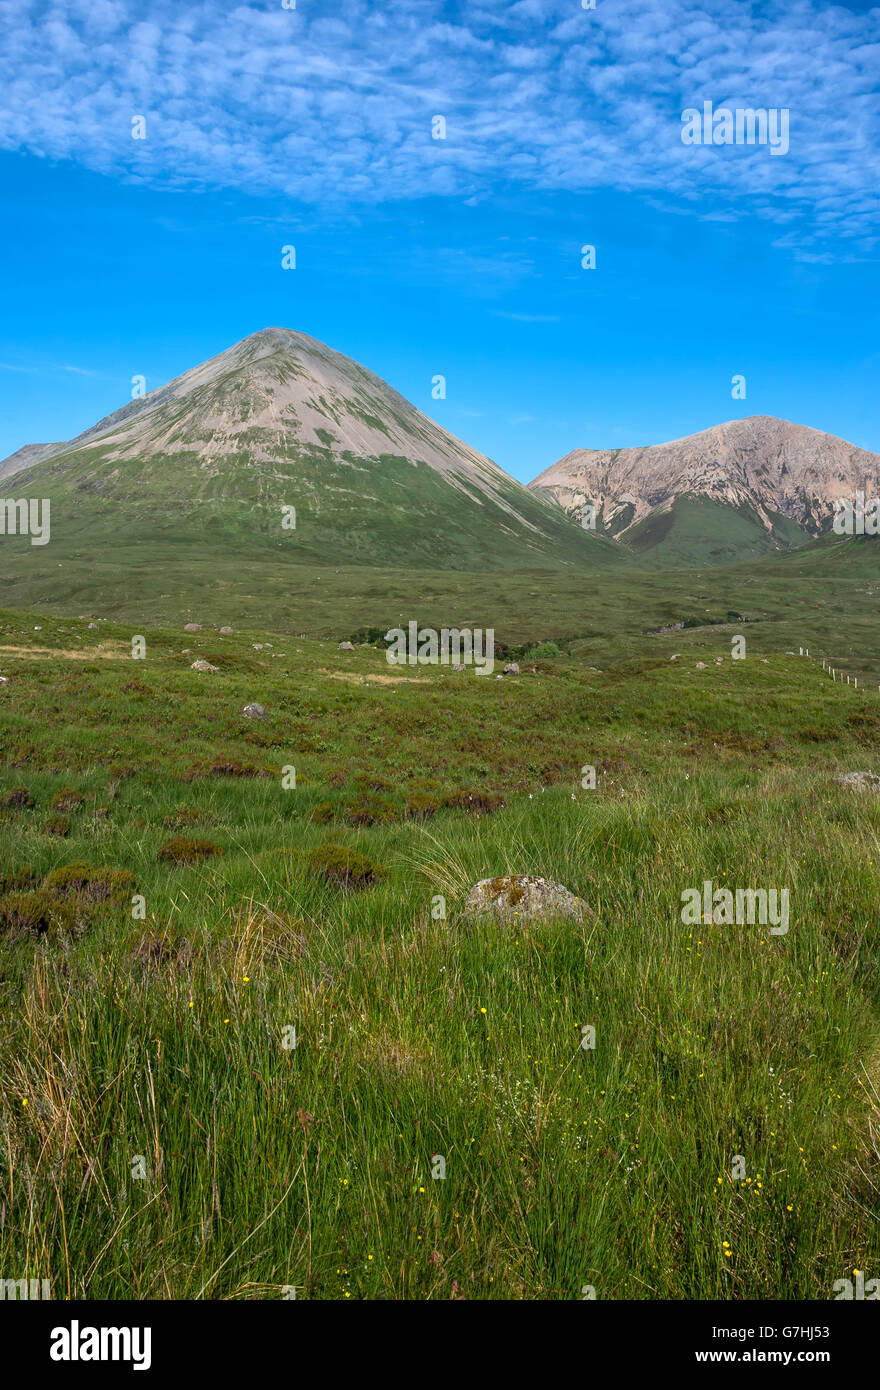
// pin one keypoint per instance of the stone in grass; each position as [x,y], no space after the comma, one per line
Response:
[522,897]
[700,666]
[192,627]
[203,666]
[860,781]
[511,669]
[345,647]
[226,631]
[254,711]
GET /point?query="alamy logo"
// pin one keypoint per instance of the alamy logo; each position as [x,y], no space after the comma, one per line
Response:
[75,1343]
[450,646]
[742,126]
[848,1291]
[743,906]
[856,517]
[22,517]
[26,1289]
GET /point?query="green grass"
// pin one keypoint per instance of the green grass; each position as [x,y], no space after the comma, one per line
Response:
[157,1045]
[823,597]
[389,511]
[695,532]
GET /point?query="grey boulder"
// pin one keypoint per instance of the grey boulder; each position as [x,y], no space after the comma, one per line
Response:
[522,898]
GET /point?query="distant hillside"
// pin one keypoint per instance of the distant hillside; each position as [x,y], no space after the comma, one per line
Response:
[736,490]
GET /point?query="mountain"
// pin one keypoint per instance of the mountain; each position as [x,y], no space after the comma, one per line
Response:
[25,457]
[282,421]
[742,488]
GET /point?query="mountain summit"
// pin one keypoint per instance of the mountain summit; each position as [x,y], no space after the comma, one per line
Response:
[736,489]
[281,420]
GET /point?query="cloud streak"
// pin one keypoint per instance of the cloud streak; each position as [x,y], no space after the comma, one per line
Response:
[333,105]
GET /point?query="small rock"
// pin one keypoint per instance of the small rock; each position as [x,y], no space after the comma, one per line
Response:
[700,666]
[345,647]
[203,666]
[459,666]
[860,781]
[192,627]
[522,897]
[93,627]
[675,657]
[254,711]
[718,660]
[511,669]
[257,646]
[226,631]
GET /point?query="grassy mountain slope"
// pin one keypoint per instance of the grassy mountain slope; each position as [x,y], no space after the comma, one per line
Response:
[278,421]
[691,532]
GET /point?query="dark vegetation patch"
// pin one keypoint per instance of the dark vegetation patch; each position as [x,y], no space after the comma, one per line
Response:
[865,725]
[371,809]
[67,799]
[225,767]
[184,817]
[67,900]
[477,803]
[19,799]
[91,885]
[36,913]
[421,806]
[180,850]
[813,734]
[154,949]
[18,880]
[345,868]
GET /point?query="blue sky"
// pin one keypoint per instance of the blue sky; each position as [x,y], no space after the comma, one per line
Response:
[267,127]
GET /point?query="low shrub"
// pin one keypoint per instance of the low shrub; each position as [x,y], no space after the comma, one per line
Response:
[38,913]
[180,850]
[18,799]
[344,867]
[67,799]
[91,885]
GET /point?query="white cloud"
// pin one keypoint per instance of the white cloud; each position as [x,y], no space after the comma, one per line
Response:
[333,104]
